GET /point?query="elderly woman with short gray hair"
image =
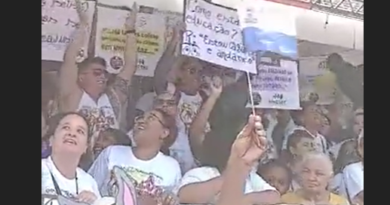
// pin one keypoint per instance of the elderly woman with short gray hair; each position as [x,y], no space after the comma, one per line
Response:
[314,173]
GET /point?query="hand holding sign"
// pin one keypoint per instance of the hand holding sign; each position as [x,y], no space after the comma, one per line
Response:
[251,142]
[131,19]
[81,13]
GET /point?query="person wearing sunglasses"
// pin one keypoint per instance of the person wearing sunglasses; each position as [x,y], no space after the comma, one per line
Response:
[180,150]
[84,87]
[145,162]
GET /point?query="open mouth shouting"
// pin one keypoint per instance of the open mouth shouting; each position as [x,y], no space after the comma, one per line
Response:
[70,141]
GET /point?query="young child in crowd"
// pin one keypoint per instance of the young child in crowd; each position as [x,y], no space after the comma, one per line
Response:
[277,175]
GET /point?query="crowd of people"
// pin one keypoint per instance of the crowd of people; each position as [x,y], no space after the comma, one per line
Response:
[191,137]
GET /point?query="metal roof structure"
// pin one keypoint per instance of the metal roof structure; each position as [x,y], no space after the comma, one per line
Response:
[346,8]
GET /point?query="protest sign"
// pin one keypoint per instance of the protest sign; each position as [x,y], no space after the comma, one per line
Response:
[59,19]
[312,67]
[266,26]
[111,38]
[213,34]
[276,84]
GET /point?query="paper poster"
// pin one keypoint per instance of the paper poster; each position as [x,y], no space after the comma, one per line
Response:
[111,39]
[213,34]
[267,27]
[312,67]
[59,19]
[276,85]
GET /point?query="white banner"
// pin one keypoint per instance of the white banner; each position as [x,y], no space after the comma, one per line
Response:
[213,34]
[110,37]
[276,85]
[59,19]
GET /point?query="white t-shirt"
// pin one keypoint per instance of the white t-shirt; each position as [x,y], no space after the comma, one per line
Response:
[254,183]
[319,139]
[164,170]
[68,187]
[353,177]
[100,114]
[185,158]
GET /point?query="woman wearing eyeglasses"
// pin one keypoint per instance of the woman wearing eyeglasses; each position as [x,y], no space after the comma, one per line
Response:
[180,149]
[145,163]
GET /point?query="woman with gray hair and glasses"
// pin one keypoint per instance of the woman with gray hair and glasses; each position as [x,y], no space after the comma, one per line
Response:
[314,173]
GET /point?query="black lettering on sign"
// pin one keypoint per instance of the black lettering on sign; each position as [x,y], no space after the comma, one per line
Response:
[55,39]
[200,10]
[278,99]
[69,4]
[48,20]
[278,96]
[189,43]
[141,64]
[229,20]
[218,28]
[71,23]
[212,42]
[232,56]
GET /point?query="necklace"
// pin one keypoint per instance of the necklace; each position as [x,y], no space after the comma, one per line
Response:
[57,188]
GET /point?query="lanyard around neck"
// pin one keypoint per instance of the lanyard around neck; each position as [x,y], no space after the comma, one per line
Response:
[57,188]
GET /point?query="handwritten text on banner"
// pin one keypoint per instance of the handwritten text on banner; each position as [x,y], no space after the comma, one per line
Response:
[59,20]
[111,38]
[276,85]
[213,34]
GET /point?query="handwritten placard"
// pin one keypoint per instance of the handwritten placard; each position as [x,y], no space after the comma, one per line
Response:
[213,34]
[276,85]
[59,19]
[268,26]
[111,38]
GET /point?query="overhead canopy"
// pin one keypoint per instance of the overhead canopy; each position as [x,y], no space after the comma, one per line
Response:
[312,25]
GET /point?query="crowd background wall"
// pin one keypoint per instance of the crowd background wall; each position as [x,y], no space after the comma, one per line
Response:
[327,34]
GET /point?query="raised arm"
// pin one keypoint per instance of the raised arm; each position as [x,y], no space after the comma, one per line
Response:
[167,61]
[246,151]
[69,91]
[123,79]
[197,129]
